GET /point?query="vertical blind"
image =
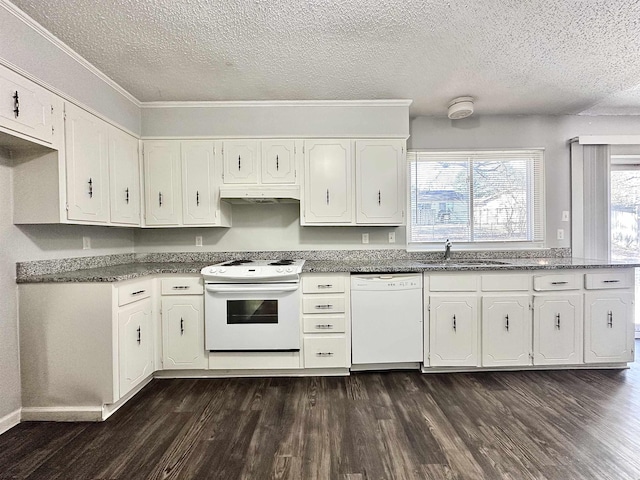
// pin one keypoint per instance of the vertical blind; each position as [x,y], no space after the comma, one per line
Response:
[476,196]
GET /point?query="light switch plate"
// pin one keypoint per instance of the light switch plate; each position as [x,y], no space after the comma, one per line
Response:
[198,240]
[565,215]
[365,238]
[560,234]
[86,243]
[392,237]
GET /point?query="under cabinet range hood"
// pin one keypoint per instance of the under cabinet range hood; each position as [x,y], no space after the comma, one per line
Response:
[260,193]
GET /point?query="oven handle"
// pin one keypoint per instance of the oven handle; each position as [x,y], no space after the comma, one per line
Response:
[244,288]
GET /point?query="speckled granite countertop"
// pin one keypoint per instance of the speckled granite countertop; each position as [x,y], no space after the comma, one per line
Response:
[128,271]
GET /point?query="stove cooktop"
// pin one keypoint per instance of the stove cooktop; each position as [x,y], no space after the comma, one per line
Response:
[253,271]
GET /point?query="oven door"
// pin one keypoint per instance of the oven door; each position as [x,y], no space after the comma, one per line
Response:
[252,317]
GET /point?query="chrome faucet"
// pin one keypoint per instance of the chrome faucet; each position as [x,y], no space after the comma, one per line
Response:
[447,249]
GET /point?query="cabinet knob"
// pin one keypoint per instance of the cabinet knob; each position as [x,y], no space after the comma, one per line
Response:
[16,104]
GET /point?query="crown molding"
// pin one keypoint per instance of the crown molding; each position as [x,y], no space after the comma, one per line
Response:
[30,22]
[278,103]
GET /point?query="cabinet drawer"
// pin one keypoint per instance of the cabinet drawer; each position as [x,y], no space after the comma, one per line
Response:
[133,292]
[323,323]
[325,352]
[182,286]
[323,303]
[596,281]
[556,282]
[322,284]
[505,283]
[453,283]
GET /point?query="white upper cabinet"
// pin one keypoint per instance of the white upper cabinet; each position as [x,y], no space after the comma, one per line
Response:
[162,183]
[240,160]
[199,193]
[278,161]
[87,166]
[380,179]
[328,194]
[25,107]
[124,178]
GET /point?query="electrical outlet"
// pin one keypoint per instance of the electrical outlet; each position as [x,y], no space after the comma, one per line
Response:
[198,240]
[392,237]
[561,234]
[86,243]
[565,215]
[365,238]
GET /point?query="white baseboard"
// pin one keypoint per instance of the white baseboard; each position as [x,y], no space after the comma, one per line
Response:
[62,414]
[9,421]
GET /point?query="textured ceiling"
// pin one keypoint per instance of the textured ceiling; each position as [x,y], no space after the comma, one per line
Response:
[514,56]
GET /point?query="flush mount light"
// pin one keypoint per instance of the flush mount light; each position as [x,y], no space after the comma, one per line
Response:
[460,107]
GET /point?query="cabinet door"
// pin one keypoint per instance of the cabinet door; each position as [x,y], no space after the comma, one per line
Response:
[557,329]
[183,332]
[135,344]
[240,161]
[25,107]
[124,178]
[199,190]
[380,173]
[278,161]
[162,183]
[87,166]
[506,330]
[328,189]
[608,328]
[453,331]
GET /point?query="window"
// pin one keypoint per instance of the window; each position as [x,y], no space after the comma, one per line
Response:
[625,206]
[476,197]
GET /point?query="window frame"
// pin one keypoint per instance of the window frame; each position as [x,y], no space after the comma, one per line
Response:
[537,181]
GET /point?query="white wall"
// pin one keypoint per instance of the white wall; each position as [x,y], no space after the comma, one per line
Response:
[550,132]
[265,227]
[24,47]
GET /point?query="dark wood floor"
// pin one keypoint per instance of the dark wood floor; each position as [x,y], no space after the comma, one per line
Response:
[553,425]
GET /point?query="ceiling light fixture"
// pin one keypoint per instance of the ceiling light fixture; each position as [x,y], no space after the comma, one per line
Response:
[460,107]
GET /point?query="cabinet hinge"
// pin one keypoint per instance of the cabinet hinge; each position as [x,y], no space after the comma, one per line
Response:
[53,131]
[429,355]
[303,149]
[429,308]
[402,213]
[402,150]
[51,109]
[66,206]
[64,116]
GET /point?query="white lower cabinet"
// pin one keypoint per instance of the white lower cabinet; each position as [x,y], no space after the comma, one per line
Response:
[326,323]
[506,330]
[557,327]
[453,330]
[608,327]
[183,332]
[135,344]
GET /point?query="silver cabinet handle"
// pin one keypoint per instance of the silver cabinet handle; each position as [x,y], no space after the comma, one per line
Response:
[455,326]
[197,198]
[610,319]
[610,281]
[324,307]
[181,287]
[324,326]
[90,182]
[277,164]
[379,198]
[139,292]
[181,326]
[327,196]
[324,354]
[16,104]
[559,283]
[507,322]
[139,335]
[558,321]
[239,164]
[159,199]
[326,285]
[126,195]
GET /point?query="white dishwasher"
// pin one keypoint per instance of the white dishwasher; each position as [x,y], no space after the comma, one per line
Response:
[386,319]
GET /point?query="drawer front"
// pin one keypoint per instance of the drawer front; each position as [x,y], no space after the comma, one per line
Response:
[453,283]
[322,284]
[323,304]
[556,282]
[505,283]
[182,286]
[613,279]
[133,292]
[325,352]
[323,323]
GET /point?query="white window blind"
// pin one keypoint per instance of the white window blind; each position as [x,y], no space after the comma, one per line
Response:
[476,196]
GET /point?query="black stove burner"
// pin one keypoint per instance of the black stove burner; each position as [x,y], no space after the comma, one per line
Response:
[235,263]
[282,262]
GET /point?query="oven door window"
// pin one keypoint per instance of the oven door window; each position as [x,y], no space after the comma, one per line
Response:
[244,312]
